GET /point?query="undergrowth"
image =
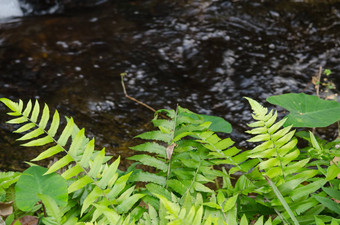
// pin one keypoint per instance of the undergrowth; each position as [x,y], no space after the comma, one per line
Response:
[194,179]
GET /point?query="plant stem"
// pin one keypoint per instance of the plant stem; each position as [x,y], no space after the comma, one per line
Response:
[193,180]
[172,137]
[44,210]
[317,84]
[132,98]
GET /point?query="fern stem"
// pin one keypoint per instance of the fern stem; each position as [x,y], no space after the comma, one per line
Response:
[278,155]
[172,137]
[193,180]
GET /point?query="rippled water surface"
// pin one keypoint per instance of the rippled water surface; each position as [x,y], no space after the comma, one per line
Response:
[203,55]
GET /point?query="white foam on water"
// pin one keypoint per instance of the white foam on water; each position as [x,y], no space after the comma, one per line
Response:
[10,8]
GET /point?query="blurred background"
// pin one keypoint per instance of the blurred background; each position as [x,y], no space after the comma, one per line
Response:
[204,55]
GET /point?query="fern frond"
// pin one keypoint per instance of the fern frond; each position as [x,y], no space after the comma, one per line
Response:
[278,147]
[80,158]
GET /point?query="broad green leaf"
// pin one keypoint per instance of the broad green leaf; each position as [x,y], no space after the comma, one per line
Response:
[33,182]
[307,110]
[218,124]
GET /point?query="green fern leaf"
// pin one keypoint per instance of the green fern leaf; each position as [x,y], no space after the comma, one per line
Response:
[108,173]
[97,164]
[87,164]
[150,161]
[156,135]
[79,184]
[48,153]
[177,186]
[72,172]
[85,160]
[39,142]
[66,133]
[24,128]
[60,164]
[151,147]
[278,145]
[54,124]
[148,177]
[95,193]
[157,189]
[118,186]
[127,204]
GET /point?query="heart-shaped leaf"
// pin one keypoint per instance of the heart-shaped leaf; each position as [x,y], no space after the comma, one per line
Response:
[307,110]
[218,124]
[33,182]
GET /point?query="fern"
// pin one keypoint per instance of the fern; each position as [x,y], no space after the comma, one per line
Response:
[80,158]
[183,150]
[283,163]
[278,147]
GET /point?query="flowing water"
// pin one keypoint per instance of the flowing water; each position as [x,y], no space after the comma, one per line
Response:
[202,55]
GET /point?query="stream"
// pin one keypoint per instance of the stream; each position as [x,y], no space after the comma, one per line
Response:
[204,55]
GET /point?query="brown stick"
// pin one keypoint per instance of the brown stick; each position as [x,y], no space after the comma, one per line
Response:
[317,84]
[132,98]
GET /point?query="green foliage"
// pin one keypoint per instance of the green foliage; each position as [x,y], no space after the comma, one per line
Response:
[89,177]
[184,149]
[198,178]
[307,110]
[33,182]
[7,179]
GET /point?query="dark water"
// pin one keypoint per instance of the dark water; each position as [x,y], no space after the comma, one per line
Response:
[203,55]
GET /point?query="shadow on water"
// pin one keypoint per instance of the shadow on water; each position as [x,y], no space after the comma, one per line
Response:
[203,55]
